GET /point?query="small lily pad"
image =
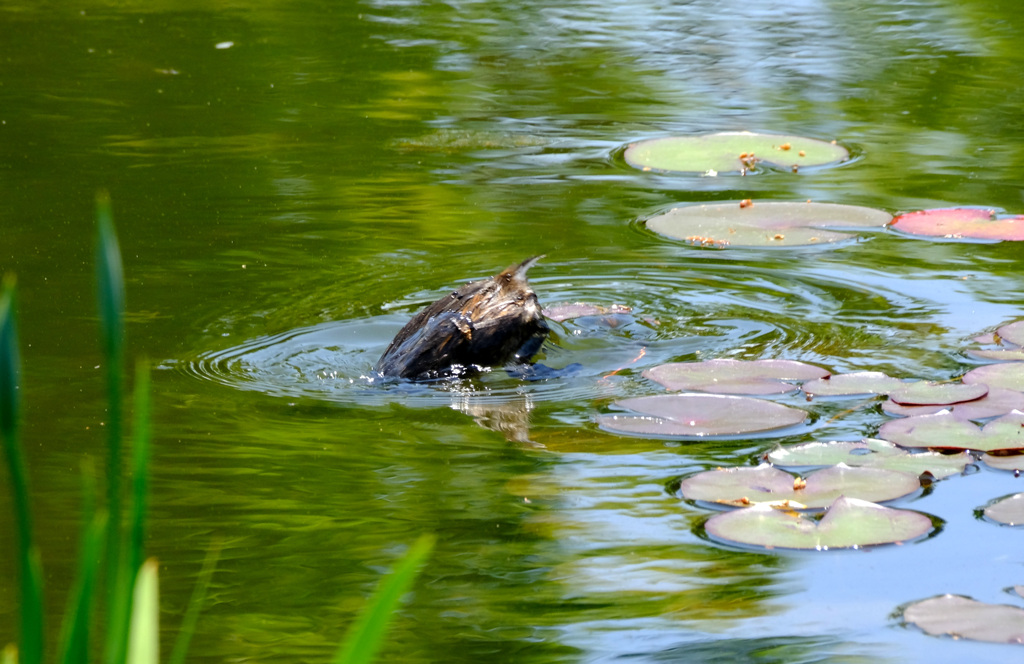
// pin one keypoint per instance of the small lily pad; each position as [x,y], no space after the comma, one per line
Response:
[699,415]
[870,453]
[765,224]
[1012,333]
[1011,462]
[998,354]
[961,223]
[965,618]
[849,522]
[924,393]
[744,485]
[1009,376]
[852,384]
[944,431]
[732,152]
[568,311]
[1009,510]
[997,402]
[727,376]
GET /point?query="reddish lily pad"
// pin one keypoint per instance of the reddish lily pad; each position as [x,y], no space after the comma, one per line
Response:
[732,152]
[852,384]
[726,376]
[961,223]
[944,431]
[924,393]
[744,485]
[699,415]
[568,311]
[1012,462]
[965,618]
[870,453]
[849,522]
[1012,333]
[1009,376]
[765,224]
[997,402]
[1009,510]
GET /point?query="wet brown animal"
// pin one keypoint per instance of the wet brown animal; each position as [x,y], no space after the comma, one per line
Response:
[486,323]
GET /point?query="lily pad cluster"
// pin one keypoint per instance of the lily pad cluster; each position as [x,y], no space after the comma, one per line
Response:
[761,224]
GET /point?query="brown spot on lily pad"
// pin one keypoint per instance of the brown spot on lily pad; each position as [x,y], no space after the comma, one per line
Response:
[770,223]
[731,152]
[849,522]
[961,223]
[965,618]
[727,376]
[765,483]
[699,416]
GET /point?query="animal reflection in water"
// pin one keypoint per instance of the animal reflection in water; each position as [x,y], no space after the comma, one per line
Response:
[488,323]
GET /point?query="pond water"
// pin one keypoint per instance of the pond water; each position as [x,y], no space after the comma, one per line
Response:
[292,180]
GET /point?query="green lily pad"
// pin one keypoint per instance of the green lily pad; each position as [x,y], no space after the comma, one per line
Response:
[849,522]
[965,618]
[765,224]
[732,152]
[1011,462]
[1008,376]
[997,402]
[1009,510]
[924,393]
[852,384]
[726,376]
[744,485]
[870,453]
[944,431]
[699,415]
[1012,333]
[961,223]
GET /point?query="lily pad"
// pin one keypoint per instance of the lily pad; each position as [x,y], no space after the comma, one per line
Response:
[699,415]
[732,152]
[998,354]
[997,402]
[870,453]
[765,224]
[1009,510]
[944,431]
[1011,462]
[744,485]
[1012,333]
[568,311]
[852,384]
[965,618]
[726,376]
[849,522]
[923,393]
[1009,376]
[961,223]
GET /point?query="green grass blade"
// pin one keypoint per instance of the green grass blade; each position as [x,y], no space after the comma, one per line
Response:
[75,631]
[188,623]
[366,635]
[144,639]
[110,301]
[10,408]
[140,469]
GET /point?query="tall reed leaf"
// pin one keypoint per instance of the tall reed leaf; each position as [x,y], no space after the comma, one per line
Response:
[28,554]
[366,635]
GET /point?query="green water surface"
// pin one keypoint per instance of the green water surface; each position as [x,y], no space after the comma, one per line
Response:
[292,180]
